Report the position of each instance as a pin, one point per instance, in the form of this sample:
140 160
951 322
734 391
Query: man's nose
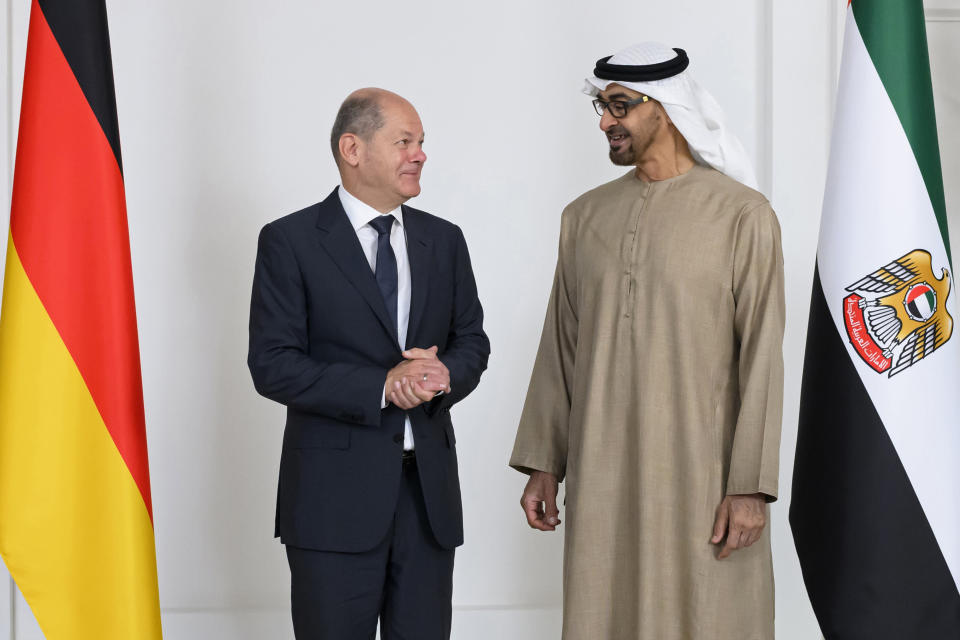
419 156
607 120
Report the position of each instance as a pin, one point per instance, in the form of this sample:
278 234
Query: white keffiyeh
692 109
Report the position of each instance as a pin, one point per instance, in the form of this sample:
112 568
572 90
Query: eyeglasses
617 108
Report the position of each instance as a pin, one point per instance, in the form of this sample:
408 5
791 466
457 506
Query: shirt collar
360 213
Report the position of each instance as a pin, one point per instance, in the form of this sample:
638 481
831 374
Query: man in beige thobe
656 395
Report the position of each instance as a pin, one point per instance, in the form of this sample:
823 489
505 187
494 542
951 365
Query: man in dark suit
365 323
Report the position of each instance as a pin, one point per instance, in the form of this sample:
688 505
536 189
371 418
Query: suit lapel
339 239
419 249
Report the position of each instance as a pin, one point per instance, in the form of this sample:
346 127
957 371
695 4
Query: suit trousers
406 581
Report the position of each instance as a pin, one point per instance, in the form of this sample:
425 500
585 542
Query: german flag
76 523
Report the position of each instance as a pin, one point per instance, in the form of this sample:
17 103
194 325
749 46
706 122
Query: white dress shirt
360 215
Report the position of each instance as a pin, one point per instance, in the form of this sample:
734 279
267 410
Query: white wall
224 113
6 170
943 33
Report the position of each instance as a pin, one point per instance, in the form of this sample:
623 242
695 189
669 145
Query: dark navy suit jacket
321 343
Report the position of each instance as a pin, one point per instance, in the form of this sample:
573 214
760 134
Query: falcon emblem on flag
898 313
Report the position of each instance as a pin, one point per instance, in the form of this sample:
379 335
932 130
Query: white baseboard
6 604
469 623
224 624
482 623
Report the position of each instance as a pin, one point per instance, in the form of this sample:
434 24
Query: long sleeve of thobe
541 443
759 323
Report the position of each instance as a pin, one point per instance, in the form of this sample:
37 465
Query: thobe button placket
631 254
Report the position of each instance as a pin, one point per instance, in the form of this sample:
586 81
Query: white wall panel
21 625
805 40
945 10
224 112
943 37
6 122
6 80
6 603
25 625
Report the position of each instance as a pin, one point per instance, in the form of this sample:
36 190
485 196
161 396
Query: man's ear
350 148
666 116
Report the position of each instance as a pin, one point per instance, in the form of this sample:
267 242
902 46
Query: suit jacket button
398 438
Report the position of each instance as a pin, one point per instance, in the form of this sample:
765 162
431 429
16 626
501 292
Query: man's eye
404 141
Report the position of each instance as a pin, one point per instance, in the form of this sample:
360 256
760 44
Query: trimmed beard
628 157
640 141
624 158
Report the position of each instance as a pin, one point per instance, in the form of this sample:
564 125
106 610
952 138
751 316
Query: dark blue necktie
386 265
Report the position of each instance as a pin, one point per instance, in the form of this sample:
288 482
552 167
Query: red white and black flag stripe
875 509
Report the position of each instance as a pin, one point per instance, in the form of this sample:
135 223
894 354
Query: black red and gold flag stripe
76 528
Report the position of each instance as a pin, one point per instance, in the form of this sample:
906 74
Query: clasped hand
417 379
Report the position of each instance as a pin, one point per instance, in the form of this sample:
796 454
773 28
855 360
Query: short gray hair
359 115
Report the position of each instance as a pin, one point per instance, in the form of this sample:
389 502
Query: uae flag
76 530
875 509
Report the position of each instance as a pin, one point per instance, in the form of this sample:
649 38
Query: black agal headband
642 72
